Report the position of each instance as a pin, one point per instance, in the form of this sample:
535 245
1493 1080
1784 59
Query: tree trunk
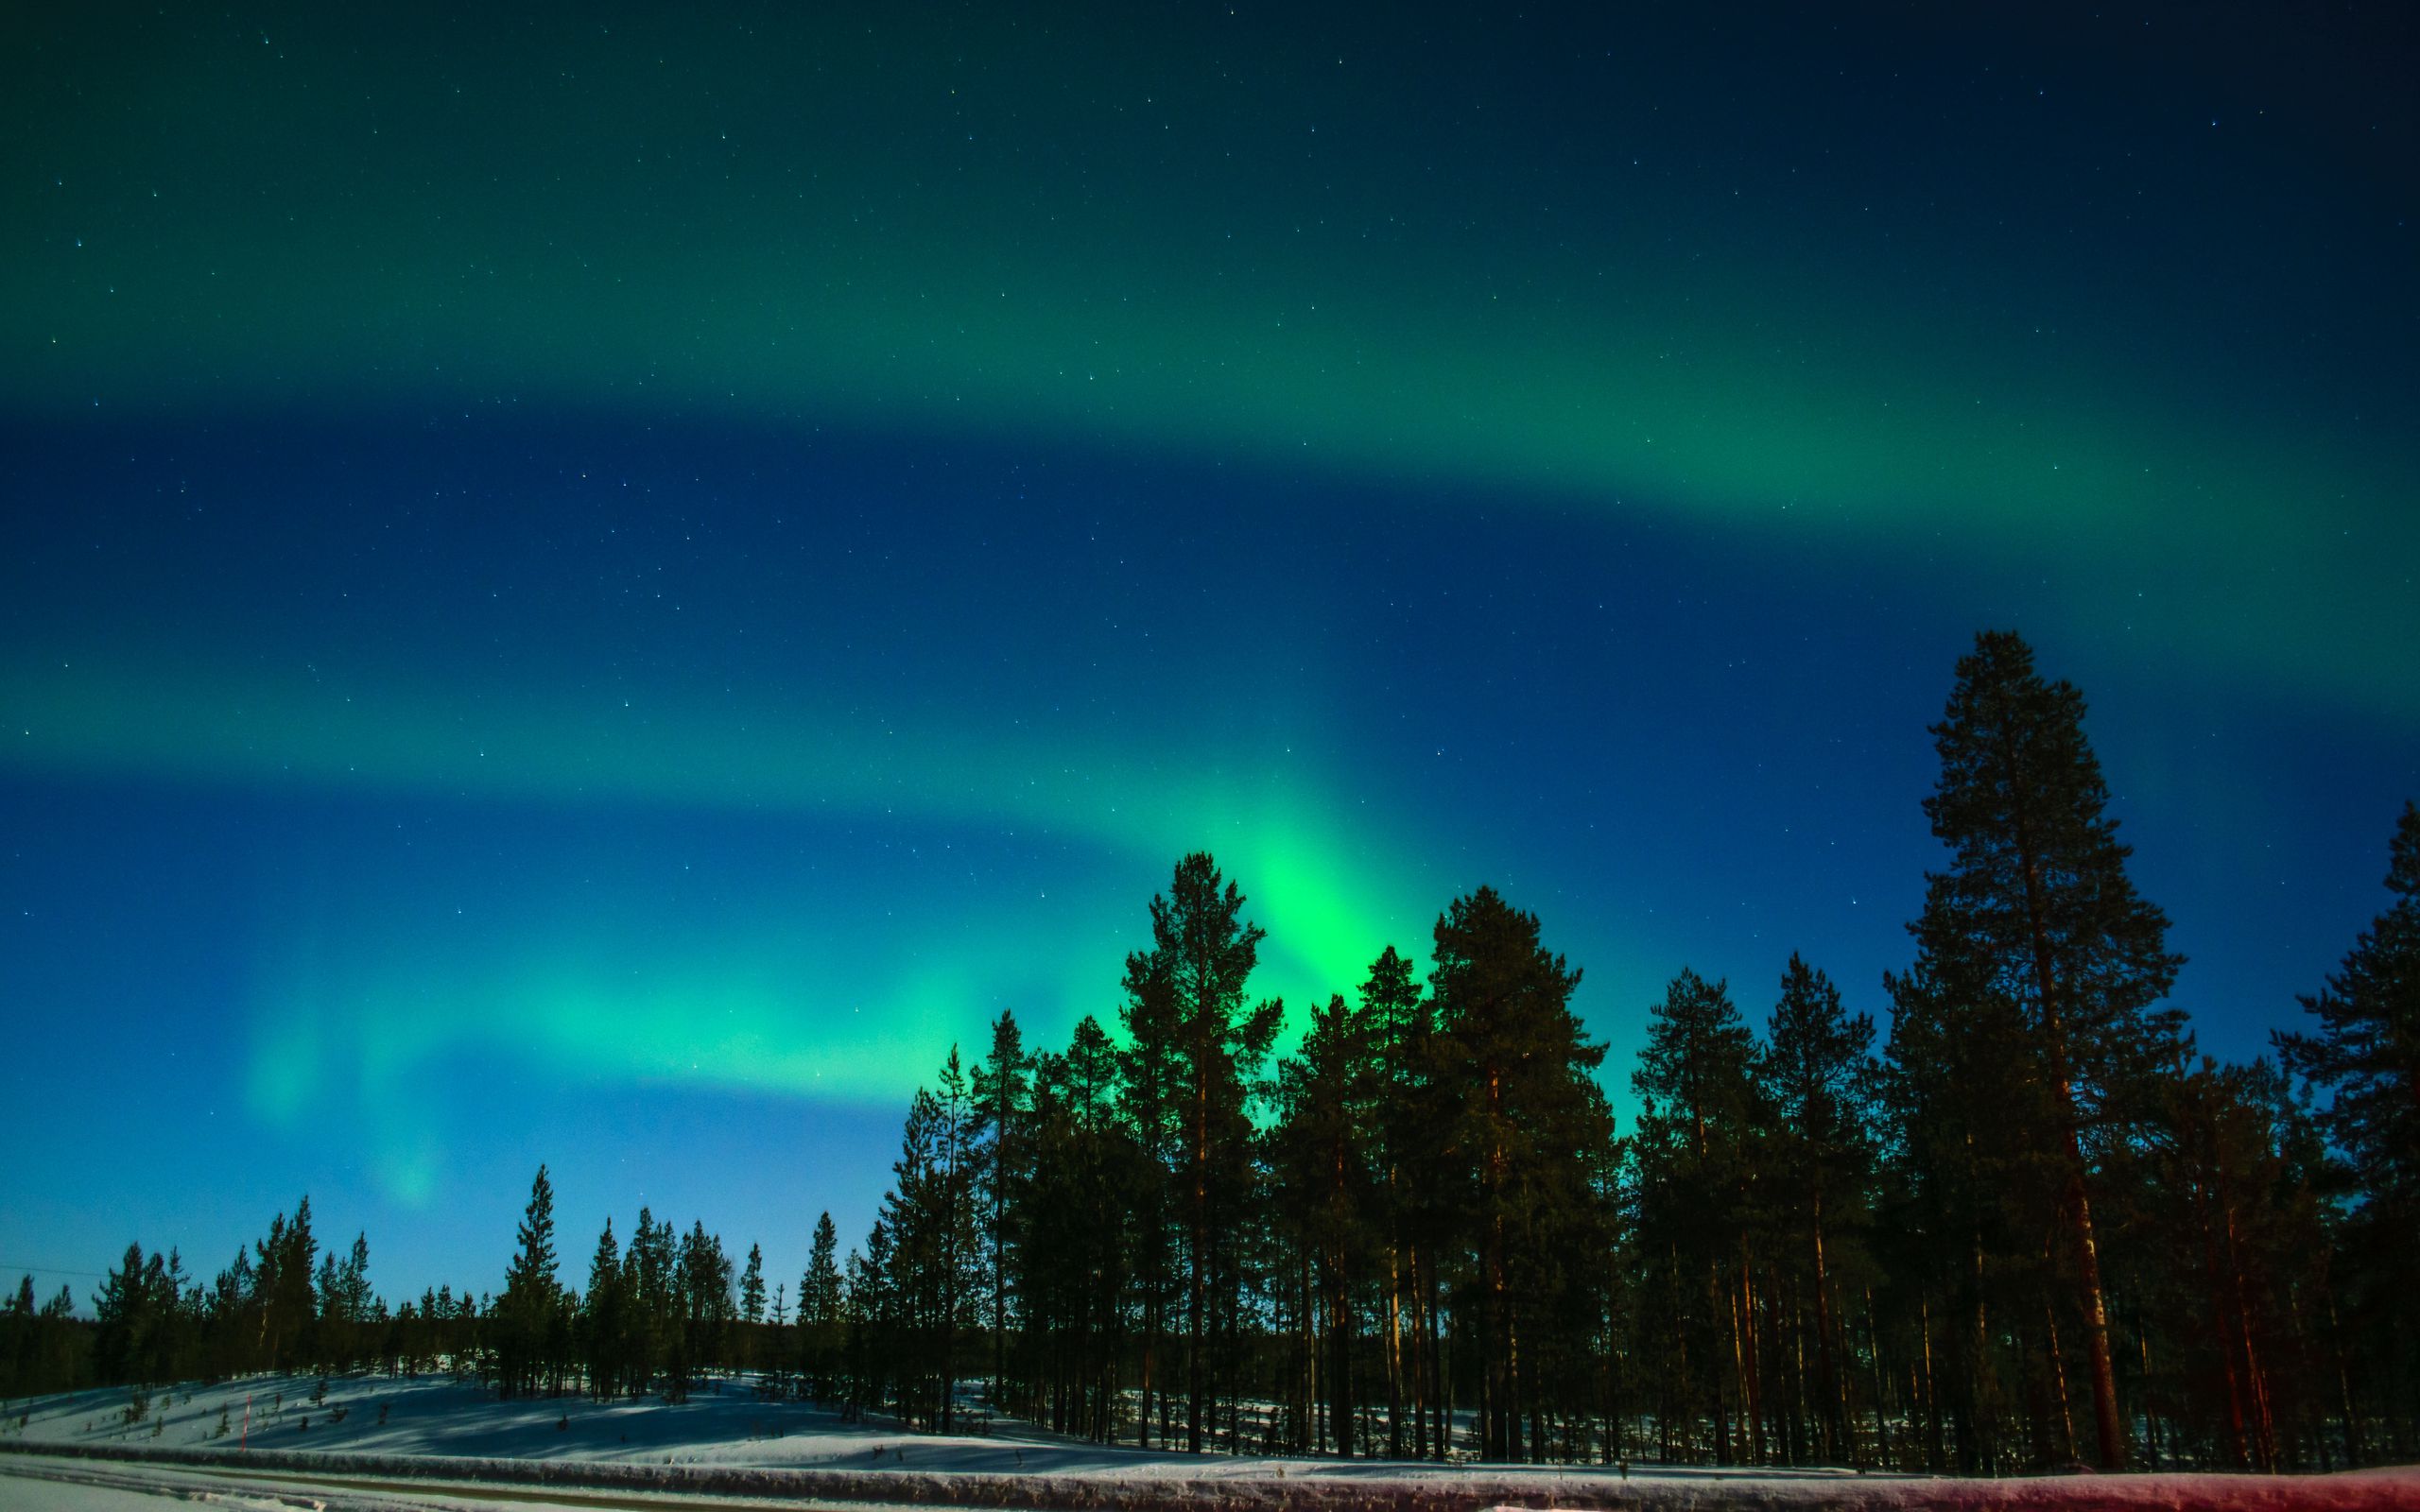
1394 1346
1751 1366
1198 1292
1874 1343
2110 1430
1835 1416
2059 1381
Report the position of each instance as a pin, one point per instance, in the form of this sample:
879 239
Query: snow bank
733 1444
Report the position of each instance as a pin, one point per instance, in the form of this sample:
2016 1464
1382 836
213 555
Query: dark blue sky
593 589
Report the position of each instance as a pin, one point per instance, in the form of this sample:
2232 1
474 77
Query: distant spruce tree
525 1312
704 1300
127 1313
647 1284
752 1287
19 1371
604 1320
354 1297
2036 909
819 1312
42 1348
873 1322
286 1308
344 1303
745 1337
329 1290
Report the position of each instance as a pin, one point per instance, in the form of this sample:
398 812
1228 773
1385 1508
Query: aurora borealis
598 585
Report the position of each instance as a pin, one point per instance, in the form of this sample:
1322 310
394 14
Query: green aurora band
257 221
385 1014
1286 262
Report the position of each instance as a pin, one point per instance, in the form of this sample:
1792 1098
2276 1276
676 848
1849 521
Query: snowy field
408 1439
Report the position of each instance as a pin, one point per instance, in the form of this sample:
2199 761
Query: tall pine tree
2036 908
1002 1084
1187 1013
1524 1111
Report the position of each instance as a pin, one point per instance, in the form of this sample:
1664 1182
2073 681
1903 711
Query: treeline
2033 1226
656 1316
281 1304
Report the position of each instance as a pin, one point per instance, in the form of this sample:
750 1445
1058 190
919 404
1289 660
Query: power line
53 1270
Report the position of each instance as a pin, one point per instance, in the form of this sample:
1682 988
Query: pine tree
2364 1052
702 1305
344 1303
1082 1229
783 1350
284 1307
355 1280
646 1291
1001 1099
1696 1148
818 1310
1187 991
872 1320
1326 1106
1819 1077
934 1225
2238 1235
20 1369
525 1310
1149 1106
2036 909
604 1317
958 1219
330 1306
122 1313
1401 1049
751 1319
1522 1113
752 1287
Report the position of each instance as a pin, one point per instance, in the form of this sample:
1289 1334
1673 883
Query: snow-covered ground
732 1443
436 1414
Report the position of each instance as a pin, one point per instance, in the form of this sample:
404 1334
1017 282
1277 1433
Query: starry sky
600 584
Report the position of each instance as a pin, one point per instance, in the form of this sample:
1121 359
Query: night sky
598 586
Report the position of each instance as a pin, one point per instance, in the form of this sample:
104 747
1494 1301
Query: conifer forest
1994 1213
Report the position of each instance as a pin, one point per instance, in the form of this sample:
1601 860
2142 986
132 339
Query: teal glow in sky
599 586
